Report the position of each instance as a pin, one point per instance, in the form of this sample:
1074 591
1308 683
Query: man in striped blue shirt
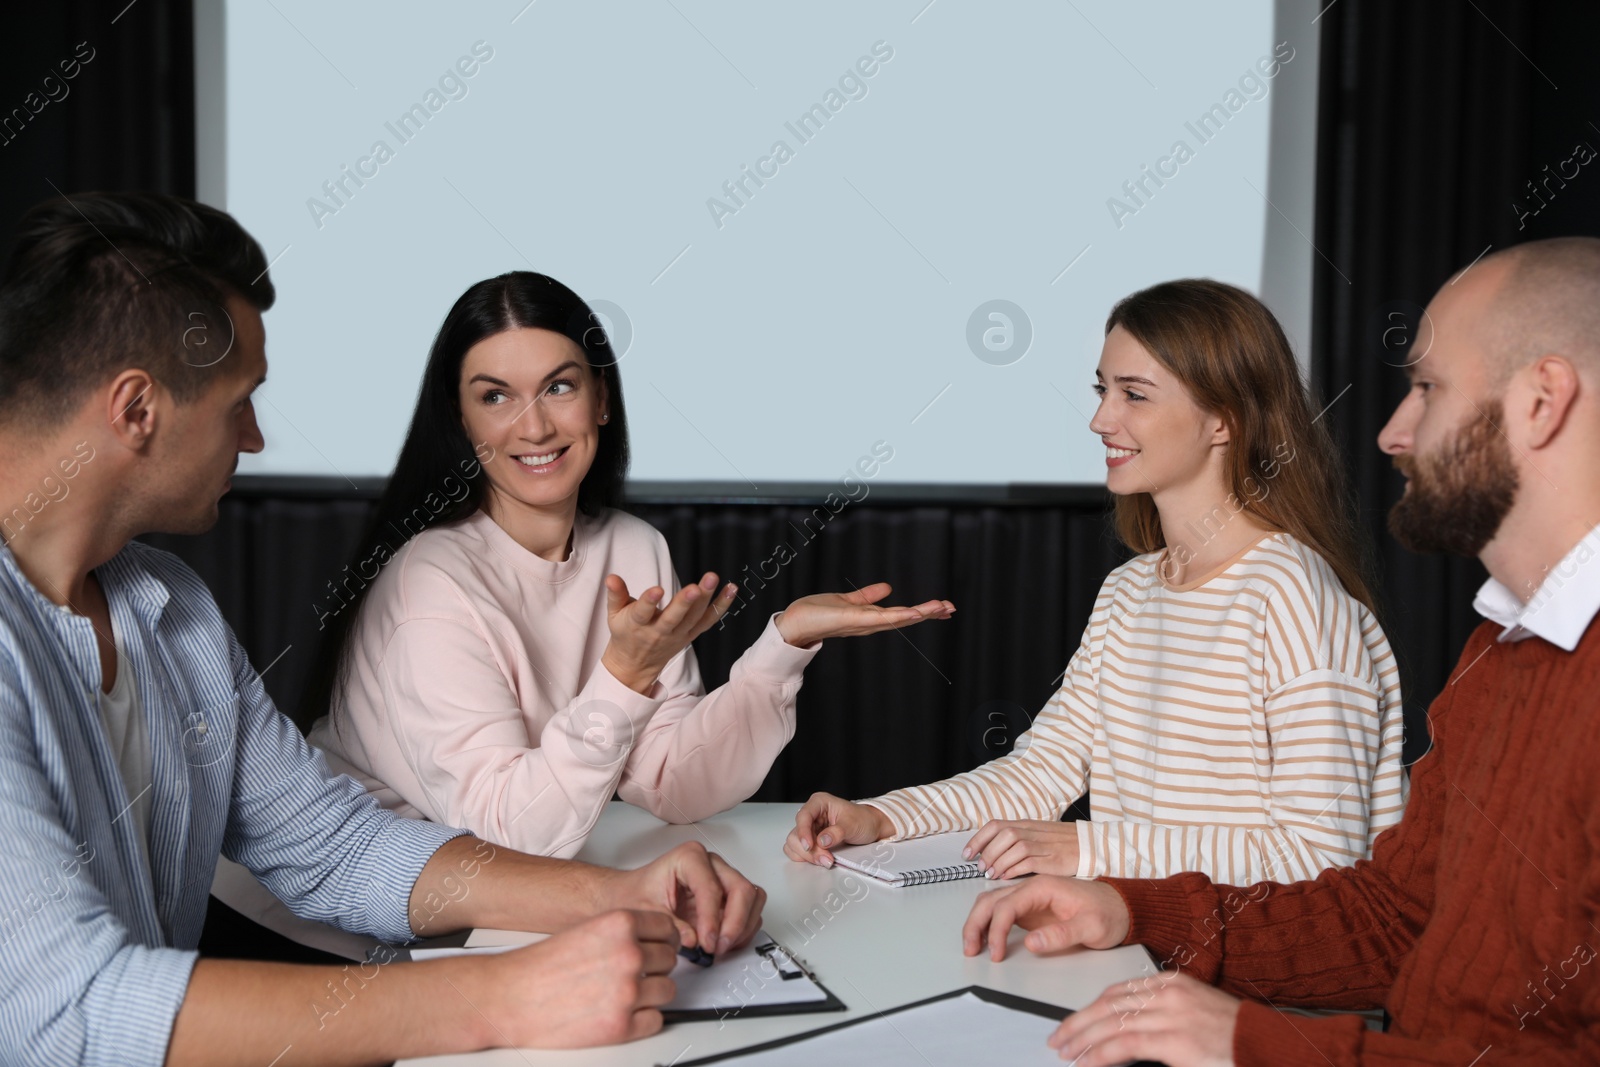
137 743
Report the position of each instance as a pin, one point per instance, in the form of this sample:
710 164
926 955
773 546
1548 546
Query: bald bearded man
1474 923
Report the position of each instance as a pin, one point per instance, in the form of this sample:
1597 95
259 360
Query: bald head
1543 299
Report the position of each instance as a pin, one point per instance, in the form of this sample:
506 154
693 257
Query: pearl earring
604 418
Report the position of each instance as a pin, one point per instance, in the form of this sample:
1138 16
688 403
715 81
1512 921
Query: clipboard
773 967
752 982
1053 1012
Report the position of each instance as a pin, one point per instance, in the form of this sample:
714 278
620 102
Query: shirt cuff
132 1005
402 850
1085 848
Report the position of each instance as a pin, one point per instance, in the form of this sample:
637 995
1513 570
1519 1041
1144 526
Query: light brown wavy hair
1281 466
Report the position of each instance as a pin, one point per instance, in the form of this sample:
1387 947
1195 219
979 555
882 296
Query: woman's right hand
645 636
827 821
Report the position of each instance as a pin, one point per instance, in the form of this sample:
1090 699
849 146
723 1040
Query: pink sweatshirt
476 696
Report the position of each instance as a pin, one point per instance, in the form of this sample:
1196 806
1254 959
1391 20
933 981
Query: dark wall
1434 116
125 120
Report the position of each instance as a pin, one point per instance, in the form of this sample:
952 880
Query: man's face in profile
195 461
1461 477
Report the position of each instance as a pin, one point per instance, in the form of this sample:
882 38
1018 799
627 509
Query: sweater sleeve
1335 942
1044 773
702 753
1264 1037
461 731
1326 764
1333 930
1338 942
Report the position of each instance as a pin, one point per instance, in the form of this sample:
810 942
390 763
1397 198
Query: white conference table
876 949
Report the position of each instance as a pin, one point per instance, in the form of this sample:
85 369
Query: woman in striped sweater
1234 707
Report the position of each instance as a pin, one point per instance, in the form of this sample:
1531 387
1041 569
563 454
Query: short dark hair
99 282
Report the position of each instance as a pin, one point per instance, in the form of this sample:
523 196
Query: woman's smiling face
531 396
1157 438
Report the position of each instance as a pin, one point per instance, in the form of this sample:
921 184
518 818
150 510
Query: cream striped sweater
1247 726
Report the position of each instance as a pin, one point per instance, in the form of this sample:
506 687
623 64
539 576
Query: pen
697 956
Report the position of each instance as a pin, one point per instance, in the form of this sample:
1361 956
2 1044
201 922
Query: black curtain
874 713
125 120
1433 117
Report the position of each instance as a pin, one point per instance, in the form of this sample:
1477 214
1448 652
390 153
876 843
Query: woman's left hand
813 618
1011 848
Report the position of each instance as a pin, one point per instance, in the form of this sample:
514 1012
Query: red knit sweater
1474 922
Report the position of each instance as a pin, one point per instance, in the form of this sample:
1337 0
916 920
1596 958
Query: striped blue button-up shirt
96 943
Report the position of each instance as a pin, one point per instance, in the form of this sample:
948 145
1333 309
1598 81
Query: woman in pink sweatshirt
514 651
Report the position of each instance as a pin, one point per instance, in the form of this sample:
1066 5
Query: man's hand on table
1169 1017
598 983
604 979
1058 913
714 906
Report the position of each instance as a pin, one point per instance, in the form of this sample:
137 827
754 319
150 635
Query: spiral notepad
935 858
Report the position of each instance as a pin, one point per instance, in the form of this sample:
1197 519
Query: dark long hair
1230 353
438 477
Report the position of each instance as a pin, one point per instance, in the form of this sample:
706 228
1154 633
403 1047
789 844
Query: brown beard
1459 496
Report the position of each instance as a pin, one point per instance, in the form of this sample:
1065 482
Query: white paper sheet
948 1033
743 978
748 976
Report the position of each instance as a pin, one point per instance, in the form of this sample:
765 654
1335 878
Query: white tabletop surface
875 947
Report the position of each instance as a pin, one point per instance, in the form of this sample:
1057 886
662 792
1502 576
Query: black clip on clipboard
774 953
